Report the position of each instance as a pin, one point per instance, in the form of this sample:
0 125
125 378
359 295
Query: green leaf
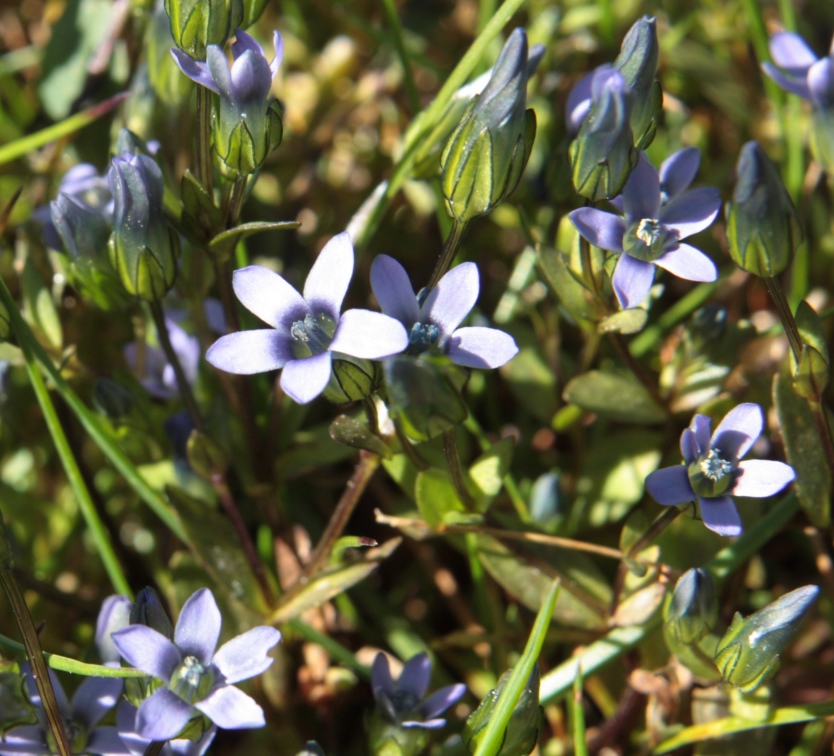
216 548
811 329
436 496
625 321
639 608
224 242
488 471
38 305
351 432
200 215
804 451
615 396
333 582
574 296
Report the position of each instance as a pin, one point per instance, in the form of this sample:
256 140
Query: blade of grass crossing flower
729 725
32 644
559 681
367 219
580 746
25 145
90 422
490 743
101 538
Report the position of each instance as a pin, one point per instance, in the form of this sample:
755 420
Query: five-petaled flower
712 472
799 71
403 703
658 215
433 317
93 699
306 330
194 675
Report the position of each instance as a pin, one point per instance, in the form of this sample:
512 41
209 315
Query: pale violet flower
305 330
580 96
799 70
92 700
195 677
657 215
126 723
432 319
404 703
712 472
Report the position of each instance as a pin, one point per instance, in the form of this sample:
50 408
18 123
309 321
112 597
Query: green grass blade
490 743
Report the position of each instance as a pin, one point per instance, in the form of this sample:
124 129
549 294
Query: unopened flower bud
603 155
351 380
114 615
692 611
485 157
637 62
748 654
143 247
195 24
147 610
763 229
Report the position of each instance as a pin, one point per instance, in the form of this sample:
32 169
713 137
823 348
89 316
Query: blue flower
658 213
194 675
306 330
712 472
126 723
92 700
432 319
404 703
798 69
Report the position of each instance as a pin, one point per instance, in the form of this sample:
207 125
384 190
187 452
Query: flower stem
450 450
409 449
636 368
448 253
354 488
174 360
669 515
204 138
774 288
236 201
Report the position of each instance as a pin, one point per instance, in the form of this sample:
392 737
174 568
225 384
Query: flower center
192 680
645 239
422 337
404 701
711 474
76 735
312 335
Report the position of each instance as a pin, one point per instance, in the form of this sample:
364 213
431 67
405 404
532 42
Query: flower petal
195 70
695 439
244 42
29 739
478 347
162 716
278 45
126 724
381 676
632 280
451 300
114 615
692 211
798 85
248 352
245 656
441 700
268 295
251 80
641 193
231 709
821 83
218 66
106 741
369 335
720 515
603 230
198 626
678 171
303 380
579 102
94 698
739 430
328 280
392 289
762 477
146 649
416 676
431 724
688 263
789 51
670 486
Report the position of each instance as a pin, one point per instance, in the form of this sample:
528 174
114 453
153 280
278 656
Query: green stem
335 649
32 645
408 448
236 201
405 61
203 167
774 288
448 253
88 420
354 489
99 533
668 516
174 361
636 368
450 451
